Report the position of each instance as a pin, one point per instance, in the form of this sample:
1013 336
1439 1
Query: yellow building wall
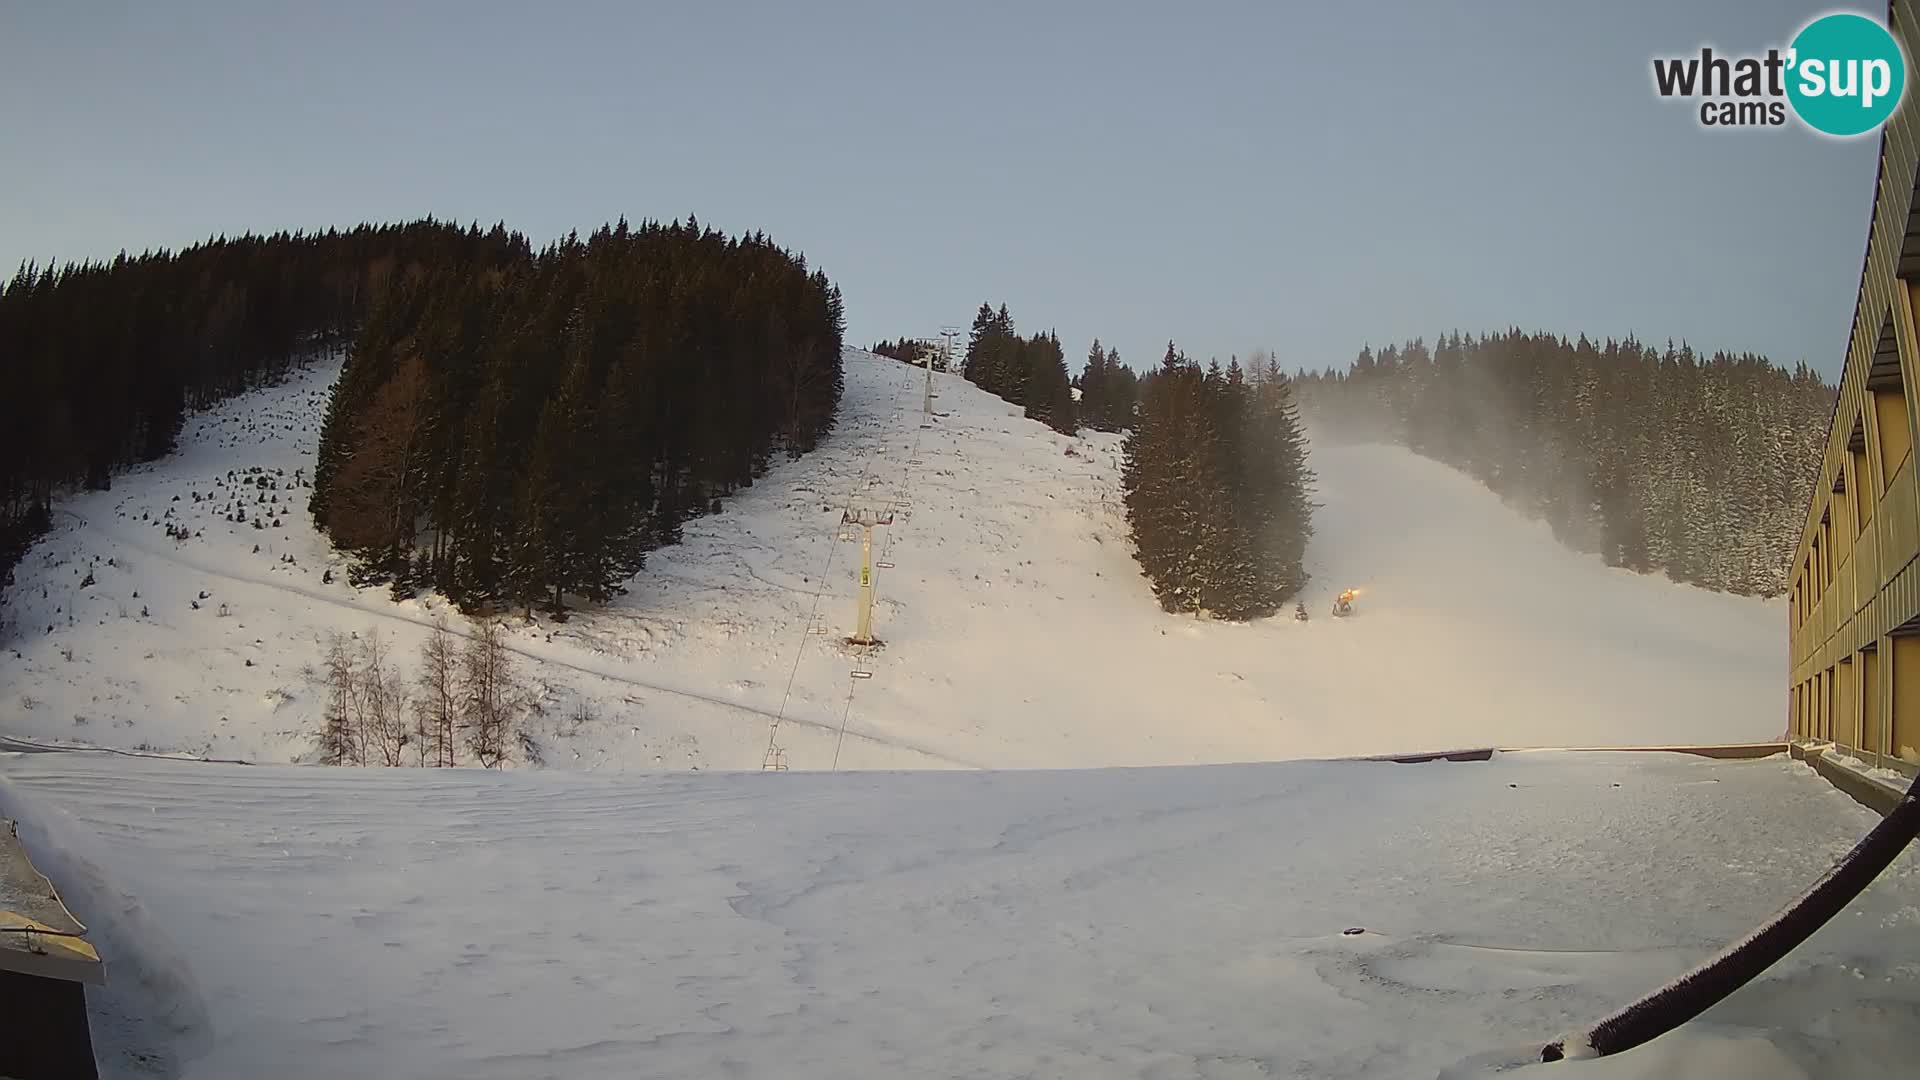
1854 599
1872 714
1904 738
1896 443
1846 712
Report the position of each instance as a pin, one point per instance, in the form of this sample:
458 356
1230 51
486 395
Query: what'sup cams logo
1843 75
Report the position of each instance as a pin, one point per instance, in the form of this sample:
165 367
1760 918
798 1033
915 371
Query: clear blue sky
1231 175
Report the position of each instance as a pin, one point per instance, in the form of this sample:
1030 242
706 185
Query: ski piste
1706 985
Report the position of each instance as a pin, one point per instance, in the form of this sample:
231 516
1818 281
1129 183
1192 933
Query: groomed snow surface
1018 631
1166 923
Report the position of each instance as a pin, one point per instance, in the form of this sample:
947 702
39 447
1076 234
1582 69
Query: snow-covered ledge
1877 782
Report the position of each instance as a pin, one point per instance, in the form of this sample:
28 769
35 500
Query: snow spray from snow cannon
1733 967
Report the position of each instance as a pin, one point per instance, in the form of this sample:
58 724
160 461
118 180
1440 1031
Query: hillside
1017 630
1167 923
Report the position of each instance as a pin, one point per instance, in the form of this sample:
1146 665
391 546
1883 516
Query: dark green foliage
991 347
909 351
101 361
534 427
1049 390
1108 390
1217 488
1031 372
1655 459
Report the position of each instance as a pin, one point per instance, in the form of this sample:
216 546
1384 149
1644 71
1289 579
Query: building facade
1854 603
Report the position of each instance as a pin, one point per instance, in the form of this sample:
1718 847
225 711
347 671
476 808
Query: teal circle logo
1846 74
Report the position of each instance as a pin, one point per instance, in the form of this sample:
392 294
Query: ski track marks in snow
1018 632
1162 923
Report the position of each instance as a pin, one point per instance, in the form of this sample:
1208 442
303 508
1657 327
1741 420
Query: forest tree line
103 360
1109 390
1023 372
1026 371
520 432
1657 459
1218 489
910 351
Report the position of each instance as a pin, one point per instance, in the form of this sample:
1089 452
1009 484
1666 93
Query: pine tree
1123 393
979 343
1215 486
1096 391
1049 392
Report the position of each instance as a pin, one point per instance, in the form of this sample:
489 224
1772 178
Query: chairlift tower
947 335
868 521
926 407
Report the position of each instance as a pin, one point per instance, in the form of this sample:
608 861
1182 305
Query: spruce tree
1095 389
1049 392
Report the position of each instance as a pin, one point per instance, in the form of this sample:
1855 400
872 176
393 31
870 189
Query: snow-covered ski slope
1174 924
1018 631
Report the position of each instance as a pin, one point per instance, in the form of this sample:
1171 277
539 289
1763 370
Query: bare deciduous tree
340 675
438 705
383 704
492 701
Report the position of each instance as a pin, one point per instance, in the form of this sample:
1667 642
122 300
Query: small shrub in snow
529 749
